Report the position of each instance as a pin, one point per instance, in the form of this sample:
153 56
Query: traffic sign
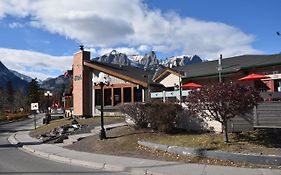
34 106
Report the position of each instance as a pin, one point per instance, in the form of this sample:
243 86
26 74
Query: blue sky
38 38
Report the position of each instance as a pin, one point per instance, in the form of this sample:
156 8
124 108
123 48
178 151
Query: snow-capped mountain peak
181 60
147 61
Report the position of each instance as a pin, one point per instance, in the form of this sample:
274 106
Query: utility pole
220 68
180 86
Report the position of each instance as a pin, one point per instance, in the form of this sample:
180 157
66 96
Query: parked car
57 113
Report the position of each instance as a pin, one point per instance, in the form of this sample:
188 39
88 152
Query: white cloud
14 25
130 23
144 48
91 49
34 63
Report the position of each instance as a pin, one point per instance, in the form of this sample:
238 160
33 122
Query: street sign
34 106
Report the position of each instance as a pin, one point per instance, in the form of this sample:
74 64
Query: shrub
161 117
13 116
137 112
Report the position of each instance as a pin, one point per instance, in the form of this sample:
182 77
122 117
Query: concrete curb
89 164
12 139
57 158
125 164
250 158
78 162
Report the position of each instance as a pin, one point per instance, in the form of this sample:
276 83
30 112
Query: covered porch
119 94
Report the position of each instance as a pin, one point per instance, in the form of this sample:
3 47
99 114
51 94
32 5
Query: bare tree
222 102
20 100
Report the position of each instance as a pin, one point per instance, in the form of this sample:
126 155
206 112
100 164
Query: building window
127 95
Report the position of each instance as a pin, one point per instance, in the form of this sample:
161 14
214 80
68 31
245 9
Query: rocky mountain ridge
21 76
147 61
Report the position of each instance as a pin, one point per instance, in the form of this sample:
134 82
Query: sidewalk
126 164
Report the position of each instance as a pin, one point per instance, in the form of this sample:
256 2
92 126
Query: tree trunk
225 134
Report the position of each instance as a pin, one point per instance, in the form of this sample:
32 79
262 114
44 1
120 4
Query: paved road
15 161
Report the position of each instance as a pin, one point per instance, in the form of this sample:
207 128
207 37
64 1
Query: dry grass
57 123
122 141
214 141
13 116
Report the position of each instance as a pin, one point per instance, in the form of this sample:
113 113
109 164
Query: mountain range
147 61
21 76
7 75
57 84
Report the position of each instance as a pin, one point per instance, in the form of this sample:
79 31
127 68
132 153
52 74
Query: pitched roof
128 73
230 65
164 72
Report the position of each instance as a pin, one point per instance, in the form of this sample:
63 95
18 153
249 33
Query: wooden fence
267 115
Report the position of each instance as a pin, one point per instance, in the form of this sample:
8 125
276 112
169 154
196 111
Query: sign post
34 108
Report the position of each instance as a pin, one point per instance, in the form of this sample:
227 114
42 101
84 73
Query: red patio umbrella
253 77
53 104
191 85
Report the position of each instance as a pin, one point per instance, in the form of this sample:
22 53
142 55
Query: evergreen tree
2 100
33 91
10 95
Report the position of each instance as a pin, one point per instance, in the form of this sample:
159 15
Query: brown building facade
127 84
130 84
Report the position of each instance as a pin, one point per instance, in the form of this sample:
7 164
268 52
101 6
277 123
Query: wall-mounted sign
77 77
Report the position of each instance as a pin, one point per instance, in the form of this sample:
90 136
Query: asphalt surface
15 161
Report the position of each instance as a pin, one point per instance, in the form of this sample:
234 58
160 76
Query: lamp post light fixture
48 94
102 80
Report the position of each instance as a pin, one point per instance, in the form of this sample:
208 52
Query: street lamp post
102 81
48 94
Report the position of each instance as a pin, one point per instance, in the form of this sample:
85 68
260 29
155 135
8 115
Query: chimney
82 84
82 47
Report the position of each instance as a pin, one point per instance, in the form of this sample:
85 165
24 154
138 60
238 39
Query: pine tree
10 95
2 100
33 91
